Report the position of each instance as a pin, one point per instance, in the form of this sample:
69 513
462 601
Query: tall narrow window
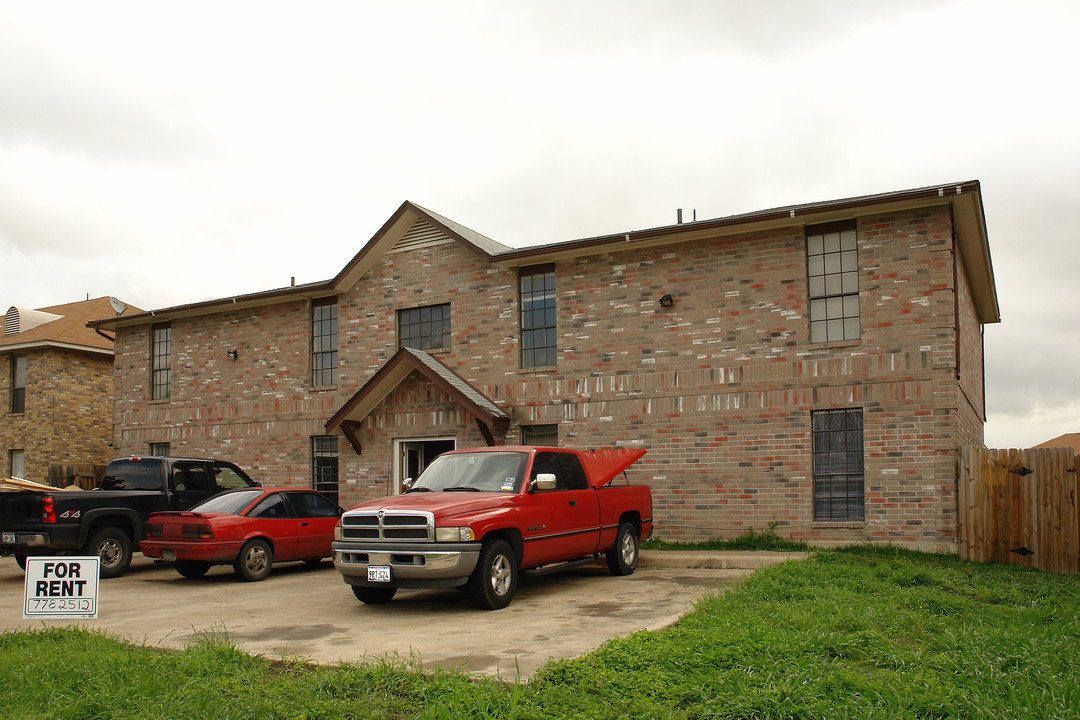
160 352
17 464
324 465
838 464
538 317
425 328
18 384
832 268
324 327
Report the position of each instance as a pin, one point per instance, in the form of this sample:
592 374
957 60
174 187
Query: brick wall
68 411
718 388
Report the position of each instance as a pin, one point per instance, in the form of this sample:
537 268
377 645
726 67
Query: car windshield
481 471
227 502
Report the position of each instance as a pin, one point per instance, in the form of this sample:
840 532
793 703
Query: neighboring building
1068 440
56 381
815 366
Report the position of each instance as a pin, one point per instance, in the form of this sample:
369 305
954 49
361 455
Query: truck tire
191 568
254 561
622 558
21 560
493 582
113 546
373 595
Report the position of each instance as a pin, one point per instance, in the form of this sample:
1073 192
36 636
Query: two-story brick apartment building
814 366
56 379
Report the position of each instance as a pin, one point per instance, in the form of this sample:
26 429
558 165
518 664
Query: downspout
98 331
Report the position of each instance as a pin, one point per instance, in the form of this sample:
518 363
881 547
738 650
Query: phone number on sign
80 604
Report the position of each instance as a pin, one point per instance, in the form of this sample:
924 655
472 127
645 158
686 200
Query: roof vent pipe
678 214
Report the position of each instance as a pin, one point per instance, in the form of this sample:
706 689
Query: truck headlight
337 533
454 534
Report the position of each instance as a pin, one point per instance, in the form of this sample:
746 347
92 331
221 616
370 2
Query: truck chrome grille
387 526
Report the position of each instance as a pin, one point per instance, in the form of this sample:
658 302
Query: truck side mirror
543 481
407 483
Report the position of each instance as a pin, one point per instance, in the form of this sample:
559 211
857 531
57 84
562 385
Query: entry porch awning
490 418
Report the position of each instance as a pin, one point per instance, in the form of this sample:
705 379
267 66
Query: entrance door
415 455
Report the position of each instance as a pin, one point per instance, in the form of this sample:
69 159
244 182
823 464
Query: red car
249 528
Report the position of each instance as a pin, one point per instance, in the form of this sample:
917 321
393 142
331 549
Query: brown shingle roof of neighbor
1068 440
68 330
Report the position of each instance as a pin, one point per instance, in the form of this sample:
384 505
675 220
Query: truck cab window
575 474
548 462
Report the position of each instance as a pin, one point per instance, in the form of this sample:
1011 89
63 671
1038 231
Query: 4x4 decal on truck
71 514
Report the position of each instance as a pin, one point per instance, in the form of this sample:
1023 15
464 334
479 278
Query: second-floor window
18 384
324 345
425 328
832 269
160 352
538 317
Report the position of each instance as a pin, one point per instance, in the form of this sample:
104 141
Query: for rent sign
61 587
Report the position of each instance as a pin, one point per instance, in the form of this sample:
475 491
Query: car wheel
254 561
192 568
493 582
623 556
113 546
21 560
373 595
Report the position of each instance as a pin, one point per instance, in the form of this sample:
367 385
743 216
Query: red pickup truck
477 517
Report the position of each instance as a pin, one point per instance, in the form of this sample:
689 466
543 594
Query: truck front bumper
412 565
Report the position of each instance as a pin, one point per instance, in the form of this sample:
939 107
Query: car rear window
227 502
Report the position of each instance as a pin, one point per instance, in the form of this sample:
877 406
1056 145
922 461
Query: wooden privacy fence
1019 507
84 475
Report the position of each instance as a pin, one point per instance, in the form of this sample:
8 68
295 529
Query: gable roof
1068 440
964 200
489 416
65 326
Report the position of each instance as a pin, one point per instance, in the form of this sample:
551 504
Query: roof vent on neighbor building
20 320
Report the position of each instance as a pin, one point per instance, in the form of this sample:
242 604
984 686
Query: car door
316 517
564 522
273 518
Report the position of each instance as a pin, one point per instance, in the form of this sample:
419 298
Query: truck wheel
373 595
192 568
21 559
113 546
494 580
623 556
254 561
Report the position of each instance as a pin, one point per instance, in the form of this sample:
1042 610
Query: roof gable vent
18 320
421 235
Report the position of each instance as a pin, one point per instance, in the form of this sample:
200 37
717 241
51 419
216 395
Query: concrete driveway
308 613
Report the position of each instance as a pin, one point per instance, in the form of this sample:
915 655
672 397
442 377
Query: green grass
854 633
750 540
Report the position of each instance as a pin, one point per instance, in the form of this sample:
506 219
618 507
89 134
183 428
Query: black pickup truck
110 520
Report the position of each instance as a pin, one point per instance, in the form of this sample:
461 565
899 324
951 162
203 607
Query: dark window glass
192 477
548 462
540 435
324 342
132 475
838 464
271 506
832 269
309 504
574 473
160 449
18 384
324 465
160 363
228 477
426 328
538 342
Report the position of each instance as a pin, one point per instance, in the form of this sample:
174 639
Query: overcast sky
172 153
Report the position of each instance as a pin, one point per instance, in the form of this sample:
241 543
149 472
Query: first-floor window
324 465
838 464
17 464
160 449
540 435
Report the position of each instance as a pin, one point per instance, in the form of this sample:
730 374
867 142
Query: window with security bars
832 268
18 384
324 342
838 464
425 328
540 435
160 362
324 465
538 317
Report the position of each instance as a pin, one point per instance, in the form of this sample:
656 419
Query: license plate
168 555
378 573
8 538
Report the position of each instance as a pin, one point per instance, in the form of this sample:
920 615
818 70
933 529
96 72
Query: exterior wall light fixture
232 354
666 301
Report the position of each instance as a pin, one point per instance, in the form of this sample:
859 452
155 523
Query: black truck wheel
254 561
493 582
113 546
373 595
623 556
